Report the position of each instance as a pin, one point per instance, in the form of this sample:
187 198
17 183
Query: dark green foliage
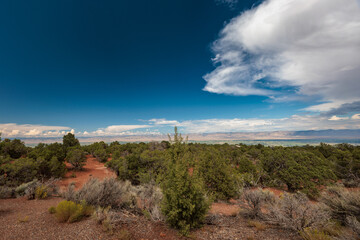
57 168
69 141
13 148
137 163
20 171
76 158
220 177
48 151
297 169
101 155
184 202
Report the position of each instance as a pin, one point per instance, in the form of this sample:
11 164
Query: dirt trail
93 168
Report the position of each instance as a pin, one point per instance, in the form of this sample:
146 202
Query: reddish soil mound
93 168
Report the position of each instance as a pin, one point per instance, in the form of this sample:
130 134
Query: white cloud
122 128
335 118
162 121
356 116
29 130
293 123
34 131
311 47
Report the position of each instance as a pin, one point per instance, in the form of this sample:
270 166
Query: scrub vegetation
176 182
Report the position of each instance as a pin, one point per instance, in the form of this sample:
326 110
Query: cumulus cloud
29 130
289 49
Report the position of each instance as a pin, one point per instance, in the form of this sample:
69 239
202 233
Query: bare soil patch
29 219
92 168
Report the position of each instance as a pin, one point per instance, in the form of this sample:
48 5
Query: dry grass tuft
256 224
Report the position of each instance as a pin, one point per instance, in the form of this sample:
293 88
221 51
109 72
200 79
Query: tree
14 148
184 203
57 168
219 176
69 141
77 158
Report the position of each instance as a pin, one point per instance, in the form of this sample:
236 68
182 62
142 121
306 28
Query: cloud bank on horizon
156 127
291 50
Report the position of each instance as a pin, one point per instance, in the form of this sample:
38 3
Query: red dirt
92 168
225 209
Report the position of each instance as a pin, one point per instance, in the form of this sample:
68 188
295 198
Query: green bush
219 176
184 202
41 192
52 210
57 168
101 155
76 158
68 211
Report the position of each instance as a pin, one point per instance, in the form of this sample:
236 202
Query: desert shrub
124 234
6 192
68 211
20 190
76 158
342 203
256 224
314 234
109 192
255 200
52 210
344 206
106 218
36 189
151 196
354 224
41 192
295 212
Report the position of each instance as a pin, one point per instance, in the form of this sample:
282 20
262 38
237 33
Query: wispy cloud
288 49
230 3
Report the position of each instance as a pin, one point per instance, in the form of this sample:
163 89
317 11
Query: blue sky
118 67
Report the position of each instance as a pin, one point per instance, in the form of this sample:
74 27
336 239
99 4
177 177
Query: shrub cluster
344 206
293 211
68 211
109 192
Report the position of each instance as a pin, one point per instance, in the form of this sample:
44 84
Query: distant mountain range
276 135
